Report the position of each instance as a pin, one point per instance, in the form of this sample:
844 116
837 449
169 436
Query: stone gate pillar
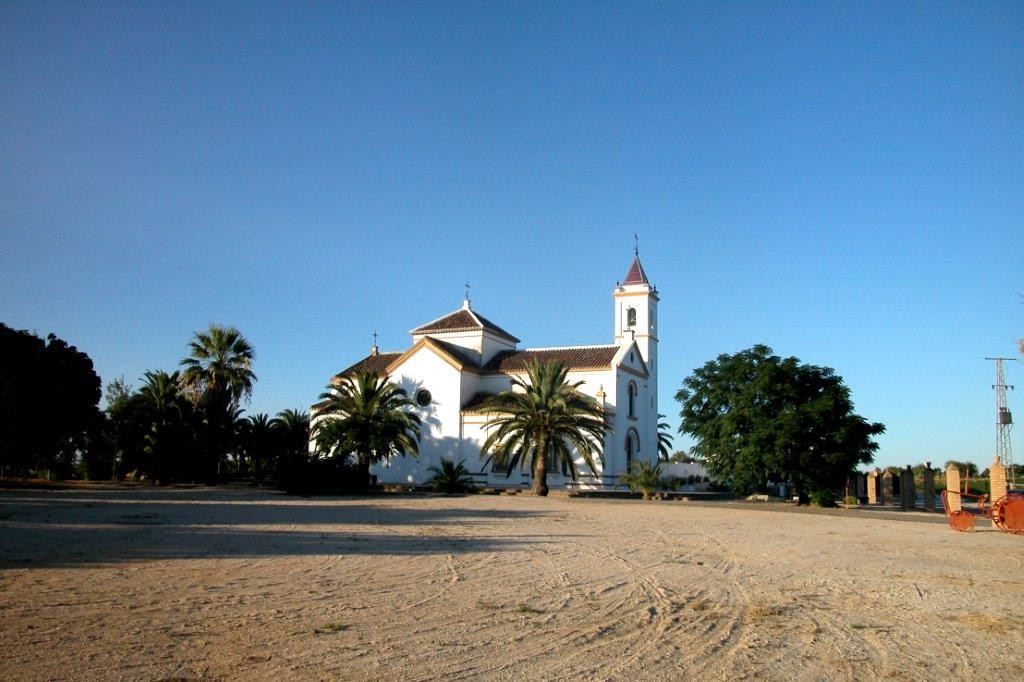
997 481
886 496
862 487
952 488
908 491
873 486
929 487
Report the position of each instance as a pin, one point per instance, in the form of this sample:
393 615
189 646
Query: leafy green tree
643 477
547 420
49 403
367 416
127 426
153 431
218 374
966 468
757 416
98 458
664 438
451 477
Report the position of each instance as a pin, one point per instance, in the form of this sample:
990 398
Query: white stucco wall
440 435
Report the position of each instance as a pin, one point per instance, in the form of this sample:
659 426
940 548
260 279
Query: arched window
631 391
631 317
632 447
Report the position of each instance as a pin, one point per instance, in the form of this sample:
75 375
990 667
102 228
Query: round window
423 397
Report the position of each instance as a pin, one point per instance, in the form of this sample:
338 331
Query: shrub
979 487
644 478
451 477
822 498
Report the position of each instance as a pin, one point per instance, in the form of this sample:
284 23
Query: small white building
458 359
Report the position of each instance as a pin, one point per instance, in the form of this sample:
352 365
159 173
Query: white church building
458 359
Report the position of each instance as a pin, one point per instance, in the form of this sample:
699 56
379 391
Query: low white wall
681 470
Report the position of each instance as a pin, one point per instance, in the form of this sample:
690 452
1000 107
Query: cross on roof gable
376 364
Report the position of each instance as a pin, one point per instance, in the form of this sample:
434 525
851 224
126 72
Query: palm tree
293 425
258 440
545 420
451 477
292 441
643 477
664 439
218 374
161 400
218 367
368 416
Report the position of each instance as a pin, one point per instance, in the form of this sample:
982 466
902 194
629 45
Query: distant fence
899 487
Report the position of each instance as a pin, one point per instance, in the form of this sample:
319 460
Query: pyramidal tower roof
463 320
636 274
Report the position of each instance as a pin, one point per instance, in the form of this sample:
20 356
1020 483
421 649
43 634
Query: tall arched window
632 392
631 317
632 447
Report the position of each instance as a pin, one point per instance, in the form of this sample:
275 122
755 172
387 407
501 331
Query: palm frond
544 419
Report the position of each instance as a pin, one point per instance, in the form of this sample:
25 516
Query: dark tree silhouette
217 375
49 398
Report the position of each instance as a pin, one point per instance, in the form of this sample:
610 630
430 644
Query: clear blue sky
843 182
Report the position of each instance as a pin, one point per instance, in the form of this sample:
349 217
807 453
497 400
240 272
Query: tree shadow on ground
82 528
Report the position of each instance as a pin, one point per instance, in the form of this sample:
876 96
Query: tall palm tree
547 419
368 416
218 367
218 374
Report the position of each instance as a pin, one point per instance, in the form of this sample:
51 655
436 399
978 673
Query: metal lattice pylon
1004 422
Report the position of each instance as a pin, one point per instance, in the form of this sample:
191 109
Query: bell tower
636 313
636 319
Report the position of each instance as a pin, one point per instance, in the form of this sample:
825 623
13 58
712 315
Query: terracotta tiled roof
372 363
463 355
462 320
636 274
574 357
473 404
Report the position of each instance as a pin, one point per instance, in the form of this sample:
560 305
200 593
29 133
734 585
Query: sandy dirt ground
114 583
